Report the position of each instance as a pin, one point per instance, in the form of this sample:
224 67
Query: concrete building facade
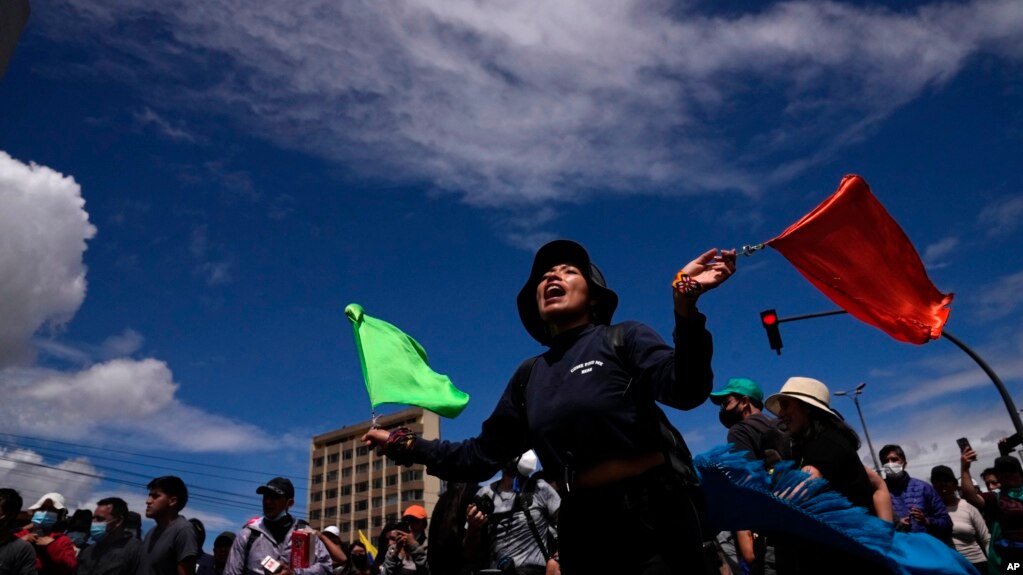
353 488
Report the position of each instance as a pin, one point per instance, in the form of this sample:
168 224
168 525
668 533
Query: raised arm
970 493
504 436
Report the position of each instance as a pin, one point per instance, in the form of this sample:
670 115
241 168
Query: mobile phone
964 444
270 564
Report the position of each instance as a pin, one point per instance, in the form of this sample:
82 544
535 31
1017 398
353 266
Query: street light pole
855 394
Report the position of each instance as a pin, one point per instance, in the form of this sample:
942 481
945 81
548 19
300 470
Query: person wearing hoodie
588 407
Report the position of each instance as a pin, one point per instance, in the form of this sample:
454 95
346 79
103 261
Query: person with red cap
587 407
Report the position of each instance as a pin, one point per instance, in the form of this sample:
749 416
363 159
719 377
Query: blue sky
247 171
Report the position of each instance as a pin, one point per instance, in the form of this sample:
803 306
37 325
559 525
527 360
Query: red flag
854 252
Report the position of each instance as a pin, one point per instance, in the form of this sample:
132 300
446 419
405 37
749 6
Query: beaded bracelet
399 444
686 285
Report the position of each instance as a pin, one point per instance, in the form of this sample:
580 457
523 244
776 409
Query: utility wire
58 452
261 473
211 500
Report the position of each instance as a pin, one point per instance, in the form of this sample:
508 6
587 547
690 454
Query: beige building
353 488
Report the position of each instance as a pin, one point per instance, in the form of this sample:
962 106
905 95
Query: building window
347 454
333 457
411 494
392 480
361 505
317 496
317 479
331 512
346 508
378 522
346 472
362 468
332 493
362 451
346 528
391 499
391 517
362 487
314 514
378 465
362 524
377 502
318 462
411 475
346 490
332 475
377 483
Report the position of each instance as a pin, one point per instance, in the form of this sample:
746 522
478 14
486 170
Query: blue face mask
44 519
98 531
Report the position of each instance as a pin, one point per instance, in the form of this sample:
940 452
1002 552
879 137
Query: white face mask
527 463
893 469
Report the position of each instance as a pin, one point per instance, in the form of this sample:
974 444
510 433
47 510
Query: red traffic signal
769 319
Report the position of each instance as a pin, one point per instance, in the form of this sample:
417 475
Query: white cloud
83 354
26 471
43 229
122 345
82 486
512 104
147 117
1002 298
929 436
1002 217
134 400
936 252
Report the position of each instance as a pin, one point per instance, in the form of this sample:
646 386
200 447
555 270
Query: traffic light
769 319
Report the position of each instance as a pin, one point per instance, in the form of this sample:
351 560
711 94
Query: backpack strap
676 452
253 535
520 502
521 379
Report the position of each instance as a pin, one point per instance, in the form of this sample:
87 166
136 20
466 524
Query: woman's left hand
712 268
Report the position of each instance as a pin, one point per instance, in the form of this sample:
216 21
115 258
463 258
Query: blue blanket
742 495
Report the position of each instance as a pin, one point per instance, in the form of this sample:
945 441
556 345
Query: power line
208 499
67 452
262 473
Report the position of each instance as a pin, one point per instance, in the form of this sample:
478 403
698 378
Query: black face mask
729 417
360 561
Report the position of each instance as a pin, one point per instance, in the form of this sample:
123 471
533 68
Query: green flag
396 370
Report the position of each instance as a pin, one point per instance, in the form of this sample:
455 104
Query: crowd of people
618 492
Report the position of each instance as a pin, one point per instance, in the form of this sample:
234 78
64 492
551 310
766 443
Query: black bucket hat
548 256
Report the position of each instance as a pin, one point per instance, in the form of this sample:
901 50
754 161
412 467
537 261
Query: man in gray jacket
271 536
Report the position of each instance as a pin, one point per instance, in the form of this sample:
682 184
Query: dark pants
647 525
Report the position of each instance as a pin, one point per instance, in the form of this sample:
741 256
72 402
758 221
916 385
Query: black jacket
581 405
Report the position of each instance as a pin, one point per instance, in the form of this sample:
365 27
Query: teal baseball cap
739 386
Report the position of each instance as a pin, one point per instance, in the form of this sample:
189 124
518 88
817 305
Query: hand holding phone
963 443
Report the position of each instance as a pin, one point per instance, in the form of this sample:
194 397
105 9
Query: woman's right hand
376 439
